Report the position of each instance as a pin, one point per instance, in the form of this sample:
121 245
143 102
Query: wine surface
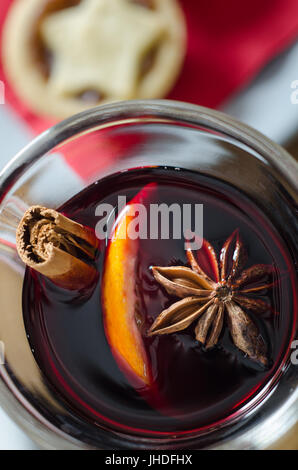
193 388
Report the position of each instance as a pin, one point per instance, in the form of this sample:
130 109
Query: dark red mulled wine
191 387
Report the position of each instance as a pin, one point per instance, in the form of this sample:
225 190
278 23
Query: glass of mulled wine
179 340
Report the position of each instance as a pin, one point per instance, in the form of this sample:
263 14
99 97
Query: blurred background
240 57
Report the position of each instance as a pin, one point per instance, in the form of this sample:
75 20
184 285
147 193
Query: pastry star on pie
64 56
111 38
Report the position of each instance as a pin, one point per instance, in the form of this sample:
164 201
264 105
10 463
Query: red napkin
228 43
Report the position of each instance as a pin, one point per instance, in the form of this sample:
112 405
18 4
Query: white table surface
11 436
265 105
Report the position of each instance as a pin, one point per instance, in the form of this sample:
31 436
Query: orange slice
119 298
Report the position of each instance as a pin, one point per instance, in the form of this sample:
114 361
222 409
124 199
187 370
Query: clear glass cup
79 151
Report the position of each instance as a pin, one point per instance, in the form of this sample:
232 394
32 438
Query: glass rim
186 113
158 110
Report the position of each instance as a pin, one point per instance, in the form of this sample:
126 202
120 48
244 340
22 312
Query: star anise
211 291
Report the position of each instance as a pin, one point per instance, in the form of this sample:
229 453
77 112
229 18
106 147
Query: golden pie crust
65 56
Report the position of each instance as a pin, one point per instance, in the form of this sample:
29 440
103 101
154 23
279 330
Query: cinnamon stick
57 247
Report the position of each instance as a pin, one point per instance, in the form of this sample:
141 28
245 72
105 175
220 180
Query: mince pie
64 56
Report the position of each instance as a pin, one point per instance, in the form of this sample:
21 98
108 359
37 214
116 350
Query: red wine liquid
196 388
